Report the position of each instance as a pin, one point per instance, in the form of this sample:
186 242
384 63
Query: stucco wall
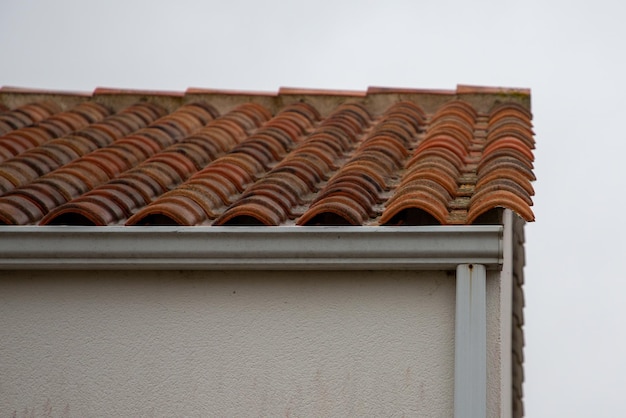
233 344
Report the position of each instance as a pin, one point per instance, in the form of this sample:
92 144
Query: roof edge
136 92
471 89
36 91
243 248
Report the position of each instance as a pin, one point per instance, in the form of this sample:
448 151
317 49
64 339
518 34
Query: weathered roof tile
304 157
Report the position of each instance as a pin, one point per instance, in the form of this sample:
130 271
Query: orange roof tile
385 156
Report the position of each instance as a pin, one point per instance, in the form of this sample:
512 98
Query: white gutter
269 248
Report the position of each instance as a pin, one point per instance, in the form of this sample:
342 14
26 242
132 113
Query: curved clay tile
513 120
500 198
432 175
124 194
414 110
138 183
201 150
511 130
14 176
505 170
164 210
288 184
30 136
368 168
312 168
304 109
210 196
26 115
352 117
92 211
508 143
274 137
504 156
399 131
388 147
78 145
464 135
345 211
227 127
417 198
79 116
267 151
68 121
301 168
43 196
89 175
60 124
161 174
353 191
502 184
18 211
222 180
271 200
506 109
334 137
290 126
66 183
320 150
261 208
254 114
91 111
83 174
508 172
7 183
203 111
457 109
15 120
170 167
507 162
96 208
15 145
34 135
435 160
273 192
176 162
57 152
378 157
96 134
174 210
444 144
412 201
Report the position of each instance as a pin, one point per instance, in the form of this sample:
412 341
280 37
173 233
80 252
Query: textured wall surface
233 344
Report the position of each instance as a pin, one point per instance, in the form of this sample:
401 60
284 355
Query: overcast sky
570 53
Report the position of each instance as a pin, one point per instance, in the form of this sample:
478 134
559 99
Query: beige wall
233 344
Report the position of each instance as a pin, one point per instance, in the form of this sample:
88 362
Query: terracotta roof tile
387 156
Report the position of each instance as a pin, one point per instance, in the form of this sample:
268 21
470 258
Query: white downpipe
470 356
506 310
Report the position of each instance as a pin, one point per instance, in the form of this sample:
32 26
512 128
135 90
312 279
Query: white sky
570 53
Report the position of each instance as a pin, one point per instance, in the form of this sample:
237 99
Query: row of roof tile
293 164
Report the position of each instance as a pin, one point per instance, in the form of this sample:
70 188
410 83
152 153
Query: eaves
243 248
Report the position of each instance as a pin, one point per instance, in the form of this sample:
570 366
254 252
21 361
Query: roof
296 157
